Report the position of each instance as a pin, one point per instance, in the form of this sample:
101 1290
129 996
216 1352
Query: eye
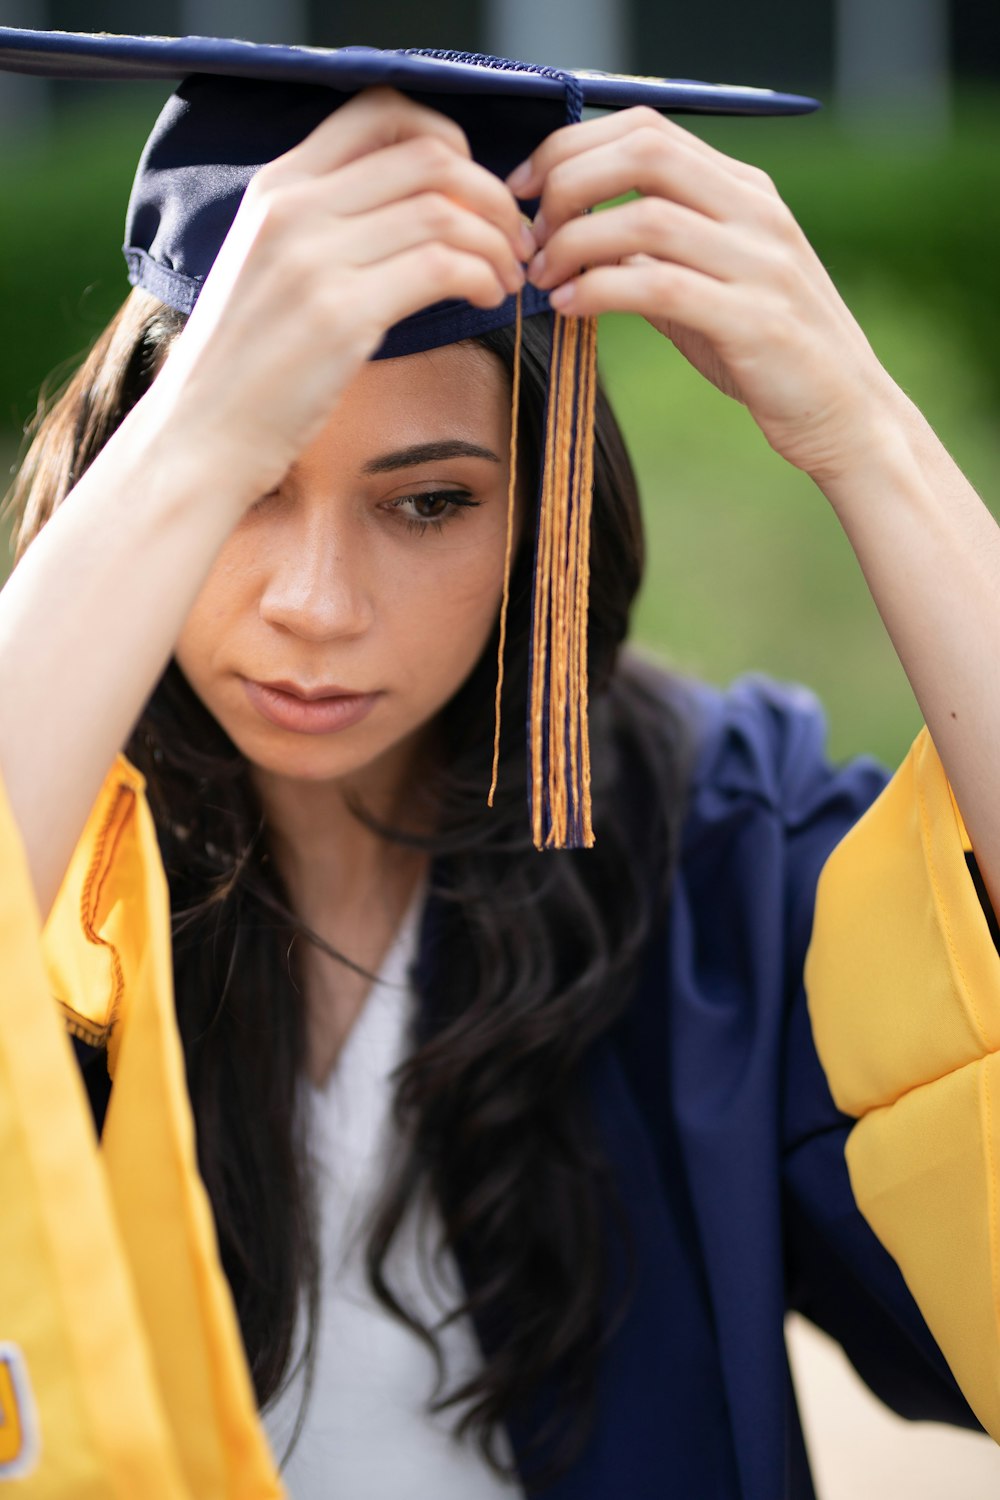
432 509
429 507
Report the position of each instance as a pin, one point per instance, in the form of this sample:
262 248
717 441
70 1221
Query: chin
314 758
302 757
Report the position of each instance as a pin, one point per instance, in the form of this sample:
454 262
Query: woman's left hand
712 258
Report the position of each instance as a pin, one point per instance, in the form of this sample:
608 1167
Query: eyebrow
427 453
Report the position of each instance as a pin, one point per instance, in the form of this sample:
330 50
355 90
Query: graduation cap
241 104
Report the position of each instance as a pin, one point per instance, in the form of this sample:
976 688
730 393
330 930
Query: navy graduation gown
727 1149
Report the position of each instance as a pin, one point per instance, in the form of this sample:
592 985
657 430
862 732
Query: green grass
748 568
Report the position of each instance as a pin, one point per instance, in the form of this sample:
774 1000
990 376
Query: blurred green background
748 568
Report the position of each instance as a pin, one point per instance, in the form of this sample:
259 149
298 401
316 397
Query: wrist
182 461
876 443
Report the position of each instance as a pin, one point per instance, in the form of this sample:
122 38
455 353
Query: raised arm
376 214
712 258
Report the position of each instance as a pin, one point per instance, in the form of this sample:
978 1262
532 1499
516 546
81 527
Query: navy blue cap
99 55
215 131
241 104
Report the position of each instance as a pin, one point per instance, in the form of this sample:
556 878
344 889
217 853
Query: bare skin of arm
379 212
87 624
711 257
930 551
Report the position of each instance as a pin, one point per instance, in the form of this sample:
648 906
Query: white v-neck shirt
367 1434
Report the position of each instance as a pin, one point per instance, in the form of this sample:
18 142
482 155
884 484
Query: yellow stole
904 994
122 1371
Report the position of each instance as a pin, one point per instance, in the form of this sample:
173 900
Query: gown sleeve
903 978
769 816
121 1368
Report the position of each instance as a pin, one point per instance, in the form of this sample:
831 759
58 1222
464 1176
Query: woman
632 1187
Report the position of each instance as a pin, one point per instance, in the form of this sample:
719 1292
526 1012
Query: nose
317 584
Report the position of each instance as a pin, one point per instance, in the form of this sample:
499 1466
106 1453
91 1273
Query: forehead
460 391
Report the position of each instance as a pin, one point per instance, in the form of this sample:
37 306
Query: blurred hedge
926 217
61 270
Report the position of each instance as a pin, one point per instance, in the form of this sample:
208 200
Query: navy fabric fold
727 1149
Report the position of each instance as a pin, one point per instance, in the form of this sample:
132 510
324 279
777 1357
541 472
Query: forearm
88 621
930 551
713 258
313 271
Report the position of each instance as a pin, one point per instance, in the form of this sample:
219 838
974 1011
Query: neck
350 886
333 864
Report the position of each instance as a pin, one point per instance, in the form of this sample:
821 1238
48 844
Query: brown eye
430 507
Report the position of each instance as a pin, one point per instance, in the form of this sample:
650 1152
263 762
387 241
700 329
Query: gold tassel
559 741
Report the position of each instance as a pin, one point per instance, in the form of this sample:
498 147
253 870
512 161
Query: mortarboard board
241 104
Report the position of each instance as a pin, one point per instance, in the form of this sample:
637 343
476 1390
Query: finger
644 161
404 170
423 165
374 118
406 283
651 226
656 289
366 239
526 180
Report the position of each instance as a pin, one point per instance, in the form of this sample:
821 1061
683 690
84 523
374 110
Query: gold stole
122 1371
904 993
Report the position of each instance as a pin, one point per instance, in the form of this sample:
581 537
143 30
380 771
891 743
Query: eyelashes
420 513
443 506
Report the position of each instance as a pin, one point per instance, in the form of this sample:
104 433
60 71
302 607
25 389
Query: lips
324 709
310 695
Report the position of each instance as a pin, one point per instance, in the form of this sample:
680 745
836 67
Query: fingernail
520 177
517 279
540 229
563 295
526 241
537 268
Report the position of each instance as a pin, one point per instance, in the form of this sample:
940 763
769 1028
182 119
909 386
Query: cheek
222 601
439 645
444 610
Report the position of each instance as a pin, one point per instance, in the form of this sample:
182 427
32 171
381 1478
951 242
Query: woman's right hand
378 213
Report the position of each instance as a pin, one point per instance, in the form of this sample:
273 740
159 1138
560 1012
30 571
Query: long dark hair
533 958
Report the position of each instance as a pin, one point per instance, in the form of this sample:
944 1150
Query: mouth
314 710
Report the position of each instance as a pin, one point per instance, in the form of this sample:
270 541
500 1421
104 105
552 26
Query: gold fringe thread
559 743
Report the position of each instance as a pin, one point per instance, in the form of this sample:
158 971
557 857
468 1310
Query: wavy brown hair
527 960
